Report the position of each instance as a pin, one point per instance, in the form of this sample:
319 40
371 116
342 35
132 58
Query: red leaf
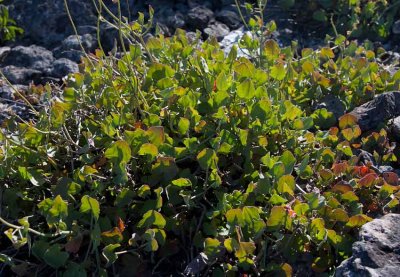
368 180
74 244
391 178
339 168
121 225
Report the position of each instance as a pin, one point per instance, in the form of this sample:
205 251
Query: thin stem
63 233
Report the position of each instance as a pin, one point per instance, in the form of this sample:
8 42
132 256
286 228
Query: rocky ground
49 50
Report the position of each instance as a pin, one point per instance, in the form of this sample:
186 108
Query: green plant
356 18
174 152
8 28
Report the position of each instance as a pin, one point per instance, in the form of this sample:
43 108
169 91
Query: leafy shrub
8 28
357 18
176 156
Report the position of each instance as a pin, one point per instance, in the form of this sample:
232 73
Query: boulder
395 128
230 18
70 47
199 16
63 67
377 252
332 104
32 57
22 75
375 112
216 29
46 22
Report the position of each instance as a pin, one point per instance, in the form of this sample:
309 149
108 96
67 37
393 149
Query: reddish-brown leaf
368 180
342 187
391 178
339 168
73 245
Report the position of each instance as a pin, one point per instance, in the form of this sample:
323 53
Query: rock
396 27
377 253
233 39
4 51
7 92
395 128
196 3
22 75
332 104
217 29
375 112
71 49
199 16
45 22
176 21
230 18
32 57
63 67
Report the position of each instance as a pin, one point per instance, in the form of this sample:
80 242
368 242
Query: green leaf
211 247
223 82
148 149
151 218
245 89
358 220
286 184
278 72
182 182
289 161
207 158
55 257
183 125
89 204
277 218
234 217
119 151
109 253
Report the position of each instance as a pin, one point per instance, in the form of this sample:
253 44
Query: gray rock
375 112
62 67
22 75
176 20
33 57
230 18
199 16
395 128
70 47
45 22
396 27
332 104
377 253
4 51
217 29
7 93
232 39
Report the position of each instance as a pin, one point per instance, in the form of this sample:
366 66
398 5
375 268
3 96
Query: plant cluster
357 18
175 158
8 28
